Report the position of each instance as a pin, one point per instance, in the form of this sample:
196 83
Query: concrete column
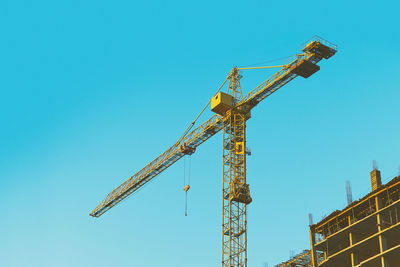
314 260
376 180
353 256
354 260
384 262
382 239
382 243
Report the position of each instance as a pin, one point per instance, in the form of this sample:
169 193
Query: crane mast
235 191
232 111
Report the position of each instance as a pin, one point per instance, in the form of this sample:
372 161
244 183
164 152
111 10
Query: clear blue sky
91 91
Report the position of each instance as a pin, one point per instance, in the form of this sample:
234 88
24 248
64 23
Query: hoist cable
268 61
184 171
190 167
193 122
186 203
186 187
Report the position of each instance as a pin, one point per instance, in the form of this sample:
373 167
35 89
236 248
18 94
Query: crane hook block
186 188
186 149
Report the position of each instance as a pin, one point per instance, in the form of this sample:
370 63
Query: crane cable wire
184 183
193 122
186 187
268 61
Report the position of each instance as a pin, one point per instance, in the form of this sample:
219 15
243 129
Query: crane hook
186 188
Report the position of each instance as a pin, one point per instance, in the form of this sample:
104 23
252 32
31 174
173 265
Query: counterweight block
304 68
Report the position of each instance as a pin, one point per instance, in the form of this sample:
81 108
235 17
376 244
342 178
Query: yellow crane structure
232 110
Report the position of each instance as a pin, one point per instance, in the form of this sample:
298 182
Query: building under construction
364 234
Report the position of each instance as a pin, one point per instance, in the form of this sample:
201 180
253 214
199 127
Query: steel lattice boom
233 110
162 162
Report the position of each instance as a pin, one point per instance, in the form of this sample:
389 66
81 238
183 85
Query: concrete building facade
364 234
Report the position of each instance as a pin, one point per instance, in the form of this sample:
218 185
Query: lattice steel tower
236 195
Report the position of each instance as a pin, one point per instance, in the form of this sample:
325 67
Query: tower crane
232 110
